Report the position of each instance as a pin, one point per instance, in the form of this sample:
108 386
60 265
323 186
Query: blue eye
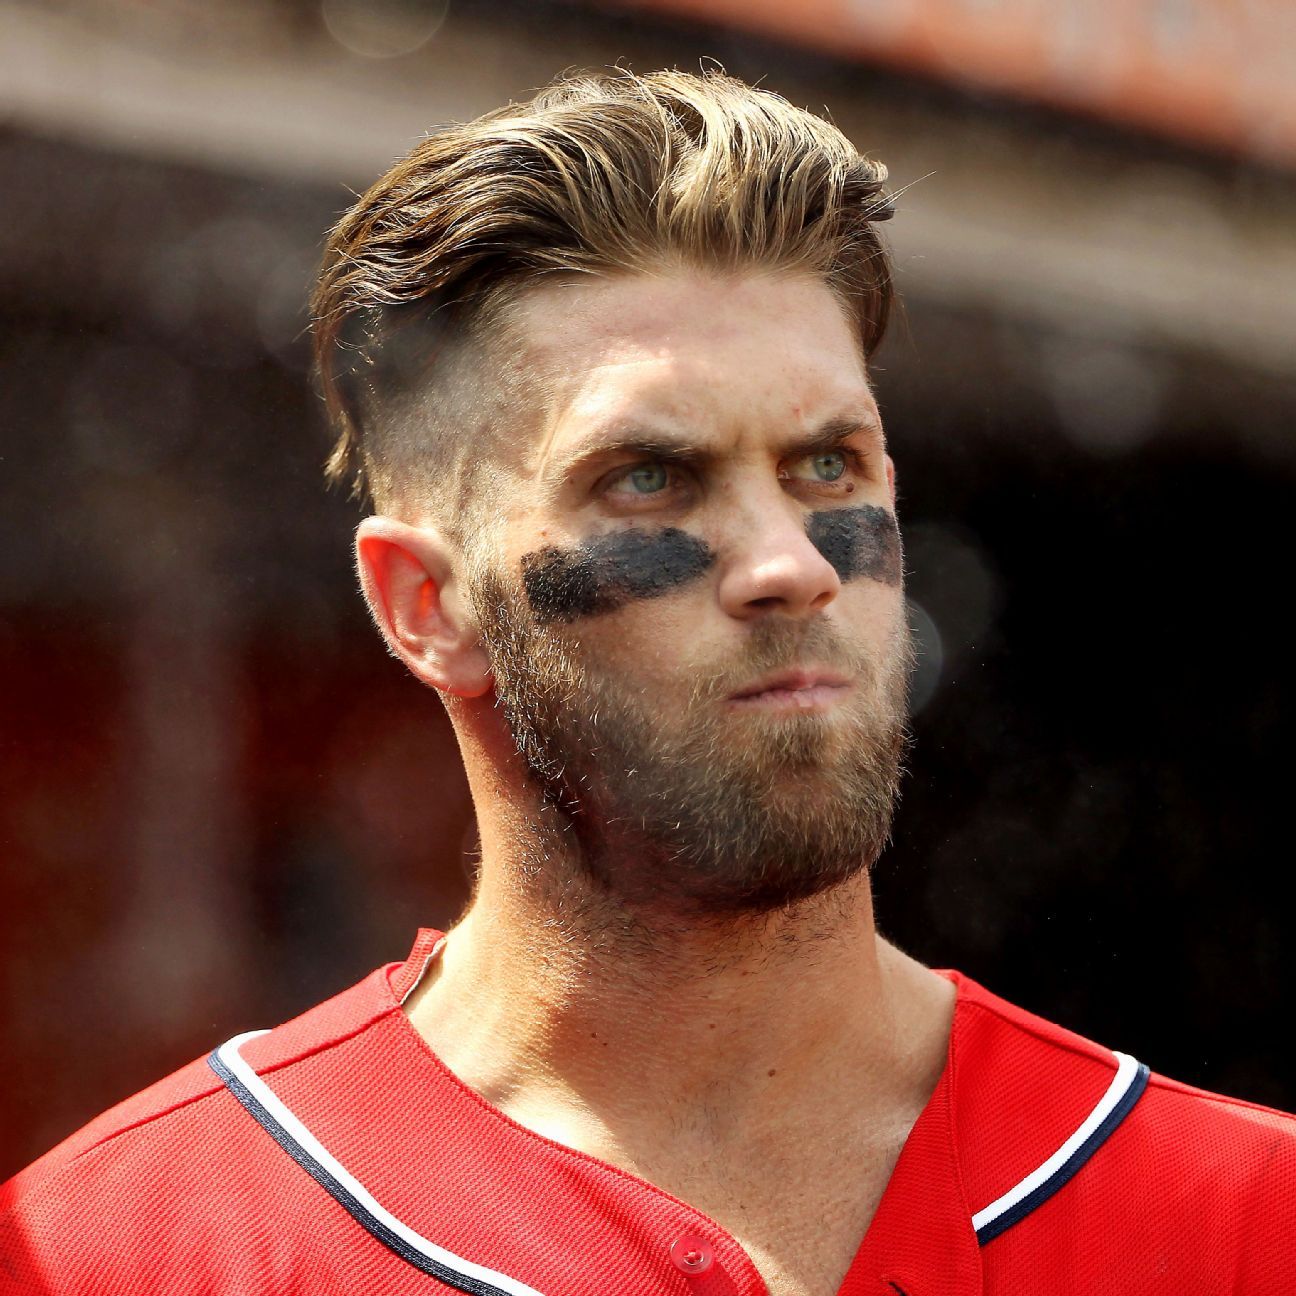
829 466
648 479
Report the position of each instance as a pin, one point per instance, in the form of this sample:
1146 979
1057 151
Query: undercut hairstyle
605 174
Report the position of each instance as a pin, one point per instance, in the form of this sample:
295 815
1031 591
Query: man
601 362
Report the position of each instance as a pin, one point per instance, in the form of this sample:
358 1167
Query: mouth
798 690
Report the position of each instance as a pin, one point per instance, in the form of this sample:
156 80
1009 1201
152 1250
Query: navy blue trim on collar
462 1282
1072 1165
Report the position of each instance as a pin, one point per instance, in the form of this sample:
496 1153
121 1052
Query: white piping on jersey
1126 1074
230 1056
427 962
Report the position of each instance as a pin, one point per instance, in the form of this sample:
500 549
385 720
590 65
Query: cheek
862 541
606 573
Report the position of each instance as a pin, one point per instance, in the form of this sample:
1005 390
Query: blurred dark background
222 801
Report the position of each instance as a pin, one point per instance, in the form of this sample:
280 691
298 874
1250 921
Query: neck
601 1027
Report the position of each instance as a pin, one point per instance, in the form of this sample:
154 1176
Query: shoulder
1184 1173
1015 1061
145 1189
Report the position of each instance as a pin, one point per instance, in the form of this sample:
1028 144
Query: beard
698 808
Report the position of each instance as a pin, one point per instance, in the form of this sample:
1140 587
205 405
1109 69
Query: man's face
694 612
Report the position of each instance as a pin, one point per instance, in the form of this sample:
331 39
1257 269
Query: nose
769 565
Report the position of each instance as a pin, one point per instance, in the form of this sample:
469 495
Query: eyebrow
632 442
835 431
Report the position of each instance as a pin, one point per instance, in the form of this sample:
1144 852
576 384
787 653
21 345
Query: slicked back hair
599 174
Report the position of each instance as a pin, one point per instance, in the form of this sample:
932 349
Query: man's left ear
890 476
409 575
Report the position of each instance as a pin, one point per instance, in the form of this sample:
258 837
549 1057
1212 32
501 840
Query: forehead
722 356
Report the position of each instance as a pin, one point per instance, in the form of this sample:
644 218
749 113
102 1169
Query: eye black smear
608 571
861 541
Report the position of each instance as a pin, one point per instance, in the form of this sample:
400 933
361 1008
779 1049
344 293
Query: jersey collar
921 1241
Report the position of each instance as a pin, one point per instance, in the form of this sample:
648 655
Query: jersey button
693 1255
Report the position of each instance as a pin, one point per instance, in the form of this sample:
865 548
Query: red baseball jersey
336 1154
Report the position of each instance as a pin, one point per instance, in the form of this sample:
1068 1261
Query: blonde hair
599 173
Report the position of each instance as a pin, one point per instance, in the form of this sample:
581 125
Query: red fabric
179 1190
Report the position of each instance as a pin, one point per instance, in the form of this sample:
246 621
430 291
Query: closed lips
791 682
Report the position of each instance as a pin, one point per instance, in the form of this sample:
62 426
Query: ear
408 575
890 476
